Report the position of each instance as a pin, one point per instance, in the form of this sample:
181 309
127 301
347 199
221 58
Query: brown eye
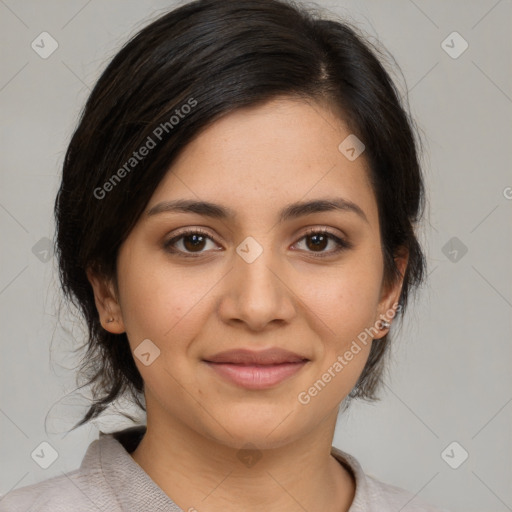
194 242
317 241
188 243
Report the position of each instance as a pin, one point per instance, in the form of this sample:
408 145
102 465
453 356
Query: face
250 309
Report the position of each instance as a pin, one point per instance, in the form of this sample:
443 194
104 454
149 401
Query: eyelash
341 243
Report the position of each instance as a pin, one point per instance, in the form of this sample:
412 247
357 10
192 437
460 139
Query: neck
203 475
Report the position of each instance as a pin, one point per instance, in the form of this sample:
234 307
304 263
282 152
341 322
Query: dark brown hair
218 56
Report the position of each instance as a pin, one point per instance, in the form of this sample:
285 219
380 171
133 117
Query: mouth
256 370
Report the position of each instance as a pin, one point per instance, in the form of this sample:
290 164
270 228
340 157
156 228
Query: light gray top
109 480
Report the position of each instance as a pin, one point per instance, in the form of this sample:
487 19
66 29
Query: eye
188 243
194 242
316 240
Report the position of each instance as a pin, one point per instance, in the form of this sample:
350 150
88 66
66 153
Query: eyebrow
291 211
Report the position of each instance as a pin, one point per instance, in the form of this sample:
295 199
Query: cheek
168 307
152 301
343 304
159 302
345 300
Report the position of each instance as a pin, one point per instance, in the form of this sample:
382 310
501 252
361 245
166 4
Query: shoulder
82 489
56 494
373 495
399 499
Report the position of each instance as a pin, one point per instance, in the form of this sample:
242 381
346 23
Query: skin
254 161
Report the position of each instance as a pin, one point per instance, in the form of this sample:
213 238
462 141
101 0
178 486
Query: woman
236 221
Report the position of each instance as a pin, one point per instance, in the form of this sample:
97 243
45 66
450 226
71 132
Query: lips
269 356
256 370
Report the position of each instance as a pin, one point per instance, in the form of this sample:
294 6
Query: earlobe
389 304
106 302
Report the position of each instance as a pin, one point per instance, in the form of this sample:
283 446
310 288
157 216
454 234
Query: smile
256 370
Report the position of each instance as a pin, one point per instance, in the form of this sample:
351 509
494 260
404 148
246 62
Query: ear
107 303
390 294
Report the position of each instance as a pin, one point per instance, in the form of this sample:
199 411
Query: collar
135 490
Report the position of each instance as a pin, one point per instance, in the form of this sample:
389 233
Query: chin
265 427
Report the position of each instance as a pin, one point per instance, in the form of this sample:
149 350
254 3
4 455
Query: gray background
450 377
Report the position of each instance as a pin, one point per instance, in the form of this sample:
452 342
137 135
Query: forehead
256 160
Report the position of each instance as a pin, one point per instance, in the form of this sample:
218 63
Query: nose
257 293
